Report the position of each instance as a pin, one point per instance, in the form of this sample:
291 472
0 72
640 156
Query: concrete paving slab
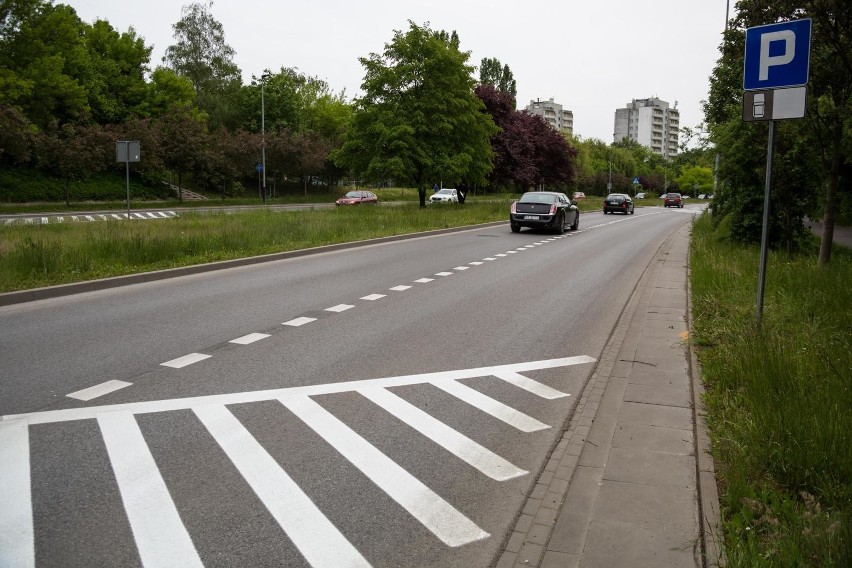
654 438
662 509
613 544
651 376
656 415
658 395
641 466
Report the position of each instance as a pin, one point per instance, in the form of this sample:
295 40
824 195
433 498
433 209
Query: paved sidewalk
631 482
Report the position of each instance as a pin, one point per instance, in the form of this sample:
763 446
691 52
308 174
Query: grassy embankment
779 400
41 255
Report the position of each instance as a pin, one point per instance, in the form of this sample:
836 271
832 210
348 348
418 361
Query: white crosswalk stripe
163 538
313 534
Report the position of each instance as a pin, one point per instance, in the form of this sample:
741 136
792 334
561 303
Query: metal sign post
775 75
127 151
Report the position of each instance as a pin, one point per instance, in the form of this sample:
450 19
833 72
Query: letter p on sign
777 56
767 60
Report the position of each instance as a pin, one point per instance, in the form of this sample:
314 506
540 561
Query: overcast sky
590 56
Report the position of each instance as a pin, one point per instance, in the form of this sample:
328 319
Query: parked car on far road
446 195
673 200
358 197
640 195
618 203
579 195
544 210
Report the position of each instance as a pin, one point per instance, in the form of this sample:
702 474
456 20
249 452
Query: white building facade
554 114
651 123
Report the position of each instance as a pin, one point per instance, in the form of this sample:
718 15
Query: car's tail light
553 209
514 203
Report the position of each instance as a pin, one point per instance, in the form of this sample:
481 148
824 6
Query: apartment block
554 114
651 123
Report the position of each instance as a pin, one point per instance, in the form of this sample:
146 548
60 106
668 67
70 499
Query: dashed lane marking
250 338
400 288
99 390
340 308
373 297
186 360
298 322
424 280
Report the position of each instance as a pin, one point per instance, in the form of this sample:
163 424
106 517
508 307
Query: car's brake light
553 209
514 203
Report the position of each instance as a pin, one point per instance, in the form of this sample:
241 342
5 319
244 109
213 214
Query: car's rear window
672 195
533 197
615 197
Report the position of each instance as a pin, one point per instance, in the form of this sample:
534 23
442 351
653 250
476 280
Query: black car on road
618 203
544 210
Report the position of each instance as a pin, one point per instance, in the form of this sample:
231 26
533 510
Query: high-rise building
552 112
651 123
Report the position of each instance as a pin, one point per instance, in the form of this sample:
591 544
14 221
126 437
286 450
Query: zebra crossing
57 219
162 537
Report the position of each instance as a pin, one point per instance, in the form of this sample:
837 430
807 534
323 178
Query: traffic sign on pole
775 72
777 55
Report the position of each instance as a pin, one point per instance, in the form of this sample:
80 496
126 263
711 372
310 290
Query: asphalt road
389 405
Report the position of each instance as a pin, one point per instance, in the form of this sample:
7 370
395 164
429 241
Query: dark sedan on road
672 200
618 203
358 197
544 210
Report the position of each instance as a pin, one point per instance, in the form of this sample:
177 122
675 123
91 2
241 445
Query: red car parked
673 200
358 197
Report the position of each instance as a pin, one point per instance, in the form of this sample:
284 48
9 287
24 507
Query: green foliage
45 61
201 55
813 157
166 91
27 185
419 120
115 81
779 400
492 72
695 180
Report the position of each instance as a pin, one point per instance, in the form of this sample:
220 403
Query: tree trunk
67 193
831 197
180 186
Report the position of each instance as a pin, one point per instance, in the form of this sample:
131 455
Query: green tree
821 139
492 72
115 81
16 136
43 58
165 91
695 180
419 120
202 56
182 135
73 151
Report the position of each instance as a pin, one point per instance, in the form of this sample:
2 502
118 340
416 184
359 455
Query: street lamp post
263 132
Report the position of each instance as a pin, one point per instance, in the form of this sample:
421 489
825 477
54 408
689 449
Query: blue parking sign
777 55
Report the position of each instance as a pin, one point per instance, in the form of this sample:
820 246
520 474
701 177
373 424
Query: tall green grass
40 255
779 400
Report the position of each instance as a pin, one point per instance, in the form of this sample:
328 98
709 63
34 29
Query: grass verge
779 400
33 256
